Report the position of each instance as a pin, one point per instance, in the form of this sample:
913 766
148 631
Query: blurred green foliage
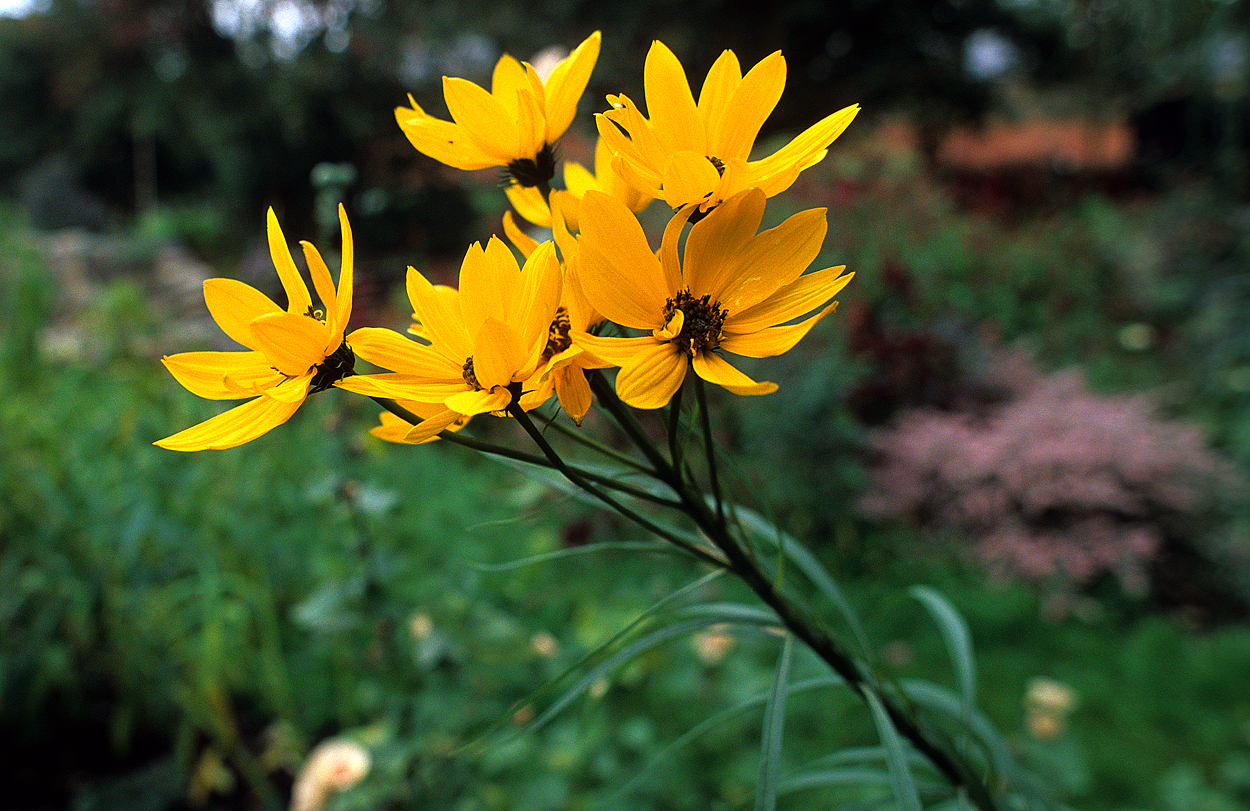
182 629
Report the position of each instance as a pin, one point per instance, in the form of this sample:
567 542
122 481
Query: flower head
513 125
334 765
530 203
486 341
688 152
291 353
733 290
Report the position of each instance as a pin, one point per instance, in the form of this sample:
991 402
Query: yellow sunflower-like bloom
513 125
292 352
486 341
567 363
733 290
529 202
700 153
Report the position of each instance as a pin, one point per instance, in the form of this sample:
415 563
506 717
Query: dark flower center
703 320
338 364
469 377
558 338
719 164
536 171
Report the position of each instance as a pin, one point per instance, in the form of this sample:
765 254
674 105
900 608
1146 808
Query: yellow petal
671 109
291 390
223 375
490 284
813 139
629 133
439 313
722 79
390 350
343 312
235 305
567 83
324 285
774 258
542 284
773 341
497 355
652 377
292 343
734 132
620 276
298 300
486 122
716 243
795 299
432 426
689 177
234 427
522 241
401 387
715 369
573 391
529 203
443 141
472 403
506 80
612 351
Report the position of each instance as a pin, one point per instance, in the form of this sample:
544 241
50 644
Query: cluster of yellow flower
515 333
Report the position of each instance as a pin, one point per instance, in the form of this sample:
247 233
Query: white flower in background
333 765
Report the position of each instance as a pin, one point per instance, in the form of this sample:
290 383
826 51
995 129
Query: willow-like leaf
807 563
999 760
649 547
773 730
958 641
651 640
905 792
602 649
721 717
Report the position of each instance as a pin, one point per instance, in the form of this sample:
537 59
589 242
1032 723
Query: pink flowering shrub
1051 480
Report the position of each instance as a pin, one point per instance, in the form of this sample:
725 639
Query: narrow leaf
900 772
958 641
773 730
807 563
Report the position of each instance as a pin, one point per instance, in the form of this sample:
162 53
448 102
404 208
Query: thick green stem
576 476
798 619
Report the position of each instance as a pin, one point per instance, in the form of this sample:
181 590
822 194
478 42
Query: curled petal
715 369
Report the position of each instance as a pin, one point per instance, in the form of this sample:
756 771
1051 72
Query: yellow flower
567 363
292 352
512 125
733 290
529 202
486 341
700 153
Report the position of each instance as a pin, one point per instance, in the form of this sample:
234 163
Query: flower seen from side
732 290
290 353
530 203
482 347
687 152
513 125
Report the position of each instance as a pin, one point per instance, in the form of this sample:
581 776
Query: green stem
578 478
799 619
528 458
709 447
581 438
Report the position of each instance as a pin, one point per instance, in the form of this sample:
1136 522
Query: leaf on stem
905 793
958 641
773 730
